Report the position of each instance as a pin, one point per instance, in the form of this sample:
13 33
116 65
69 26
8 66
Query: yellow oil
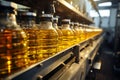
74 33
13 51
89 33
68 37
32 44
96 31
77 34
47 43
93 32
82 34
31 30
60 37
75 40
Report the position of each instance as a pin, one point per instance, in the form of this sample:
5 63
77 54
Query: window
104 13
105 4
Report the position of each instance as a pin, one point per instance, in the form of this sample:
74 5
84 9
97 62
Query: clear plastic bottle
31 30
13 42
82 32
77 32
74 32
88 32
60 47
48 37
68 35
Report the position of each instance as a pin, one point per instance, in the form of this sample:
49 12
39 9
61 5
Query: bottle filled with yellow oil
13 42
98 31
89 32
82 32
48 37
74 32
31 30
60 35
68 35
77 32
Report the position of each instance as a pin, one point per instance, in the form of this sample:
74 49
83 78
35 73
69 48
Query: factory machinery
71 63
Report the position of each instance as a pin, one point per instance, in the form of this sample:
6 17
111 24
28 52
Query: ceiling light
105 4
96 0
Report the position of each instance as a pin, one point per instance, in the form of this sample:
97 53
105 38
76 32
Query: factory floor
106 72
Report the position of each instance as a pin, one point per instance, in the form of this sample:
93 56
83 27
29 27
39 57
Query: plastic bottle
74 32
60 35
31 30
13 41
77 32
68 35
82 32
48 37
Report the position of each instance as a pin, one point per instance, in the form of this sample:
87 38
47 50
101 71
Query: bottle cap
29 14
66 21
46 17
76 24
55 20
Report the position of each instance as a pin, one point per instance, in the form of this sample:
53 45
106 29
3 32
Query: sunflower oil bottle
74 32
68 35
77 32
82 32
60 35
48 37
100 31
13 41
97 31
89 32
32 31
93 32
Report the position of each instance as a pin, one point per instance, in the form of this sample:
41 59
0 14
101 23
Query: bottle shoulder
67 32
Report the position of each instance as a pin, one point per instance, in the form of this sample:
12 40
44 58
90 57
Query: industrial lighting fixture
105 4
103 13
96 0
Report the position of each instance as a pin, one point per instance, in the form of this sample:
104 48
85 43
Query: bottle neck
55 25
71 27
29 23
75 27
65 26
7 18
46 25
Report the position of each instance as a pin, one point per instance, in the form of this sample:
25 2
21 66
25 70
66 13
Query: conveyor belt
62 65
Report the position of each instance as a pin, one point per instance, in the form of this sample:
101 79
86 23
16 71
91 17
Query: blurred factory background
103 14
